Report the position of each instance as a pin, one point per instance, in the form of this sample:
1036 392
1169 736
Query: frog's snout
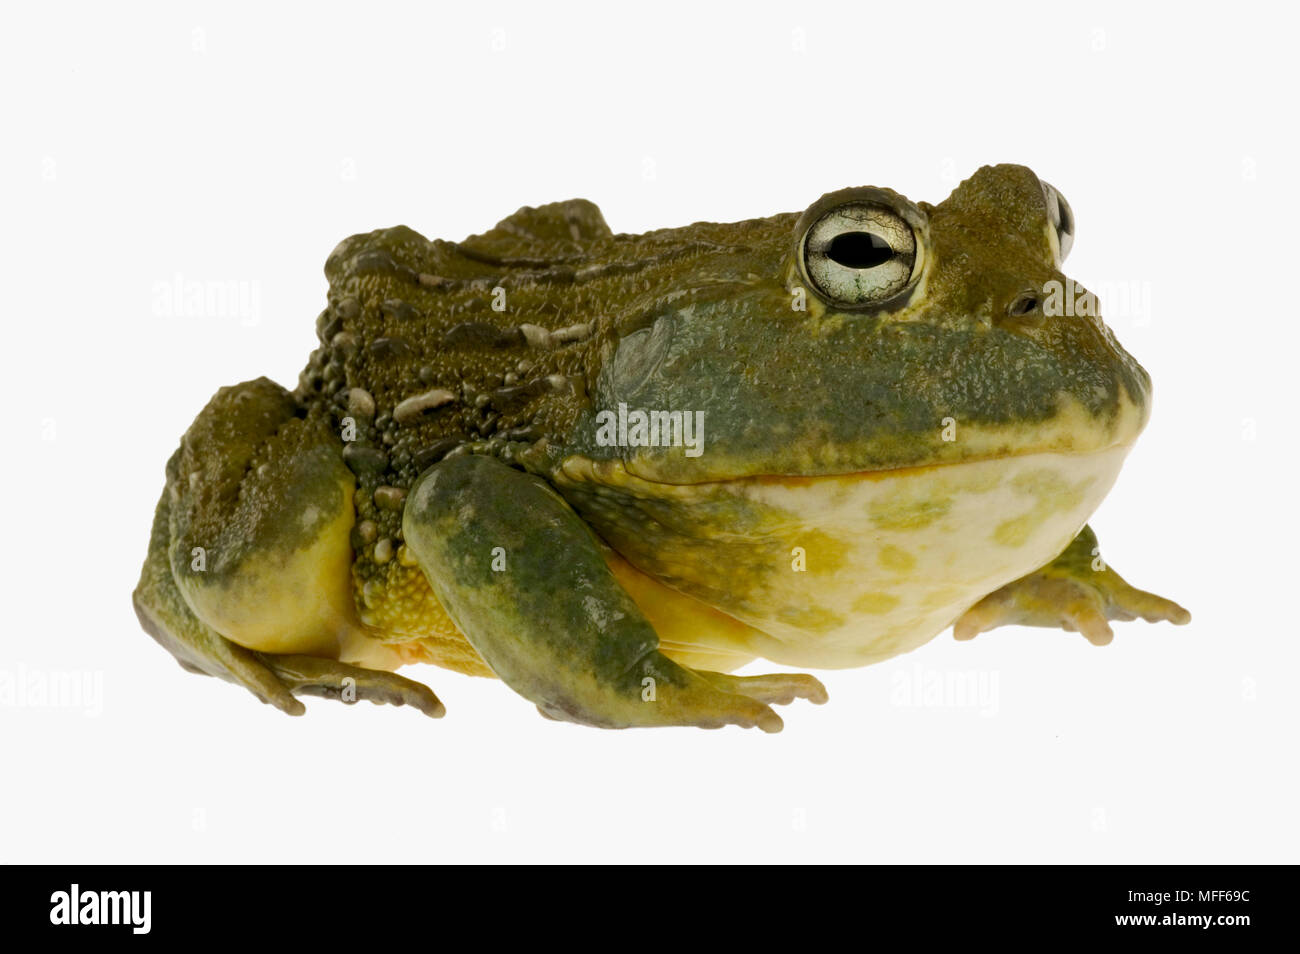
1064 319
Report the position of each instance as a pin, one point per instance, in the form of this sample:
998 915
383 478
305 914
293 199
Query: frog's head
878 333
916 396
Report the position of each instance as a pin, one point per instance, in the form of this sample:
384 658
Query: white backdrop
223 142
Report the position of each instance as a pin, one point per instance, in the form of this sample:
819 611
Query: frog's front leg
1077 592
525 580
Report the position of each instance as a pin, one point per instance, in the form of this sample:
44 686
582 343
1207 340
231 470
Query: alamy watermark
76 906
1128 301
640 428
945 689
191 298
28 688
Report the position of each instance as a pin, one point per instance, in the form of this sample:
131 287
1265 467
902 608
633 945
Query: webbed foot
310 676
1076 592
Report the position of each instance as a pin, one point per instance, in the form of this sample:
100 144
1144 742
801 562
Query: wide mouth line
879 473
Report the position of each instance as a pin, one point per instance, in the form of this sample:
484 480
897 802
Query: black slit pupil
1067 224
859 250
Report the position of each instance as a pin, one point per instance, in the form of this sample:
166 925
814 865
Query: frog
610 470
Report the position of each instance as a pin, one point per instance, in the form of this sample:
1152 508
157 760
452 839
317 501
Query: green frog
612 469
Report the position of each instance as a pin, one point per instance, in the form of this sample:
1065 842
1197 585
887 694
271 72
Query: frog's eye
1062 220
860 254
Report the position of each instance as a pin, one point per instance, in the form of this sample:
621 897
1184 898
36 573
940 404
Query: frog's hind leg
272 679
525 580
197 647
247 575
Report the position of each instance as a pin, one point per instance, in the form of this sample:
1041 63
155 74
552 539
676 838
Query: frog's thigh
166 617
260 517
525 580
274 679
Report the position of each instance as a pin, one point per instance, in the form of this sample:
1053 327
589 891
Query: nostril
1023 305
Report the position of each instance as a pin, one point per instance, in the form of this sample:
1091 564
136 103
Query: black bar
338 904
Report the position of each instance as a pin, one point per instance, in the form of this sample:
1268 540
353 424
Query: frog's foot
1076 592
777 689
675 695
312 676
526 582
668 693
659 692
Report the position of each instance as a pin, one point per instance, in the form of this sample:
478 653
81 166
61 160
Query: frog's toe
312 676
773 689
1131 603
708 707
989 613
1084 613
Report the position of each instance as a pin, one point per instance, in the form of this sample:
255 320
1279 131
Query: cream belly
844 571
891 560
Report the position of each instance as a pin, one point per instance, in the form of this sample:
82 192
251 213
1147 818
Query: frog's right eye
859 254
1062 222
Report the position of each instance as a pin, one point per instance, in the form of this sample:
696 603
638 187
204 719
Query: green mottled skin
522 335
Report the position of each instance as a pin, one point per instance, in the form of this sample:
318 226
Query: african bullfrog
611 469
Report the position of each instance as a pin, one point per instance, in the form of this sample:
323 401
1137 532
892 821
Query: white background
238 143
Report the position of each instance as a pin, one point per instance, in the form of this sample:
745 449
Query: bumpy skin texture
438 487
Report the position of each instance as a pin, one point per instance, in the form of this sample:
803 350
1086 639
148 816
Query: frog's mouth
1072 430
